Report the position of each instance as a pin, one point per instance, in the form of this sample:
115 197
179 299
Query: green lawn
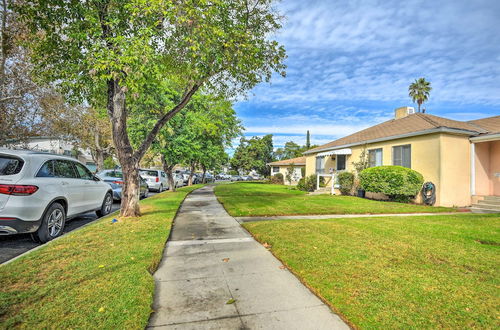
260 199
95 277
397 272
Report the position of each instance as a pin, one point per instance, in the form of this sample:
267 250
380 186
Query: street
14 245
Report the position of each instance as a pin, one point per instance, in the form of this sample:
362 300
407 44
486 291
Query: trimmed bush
346 182
307 183
397 182
277 179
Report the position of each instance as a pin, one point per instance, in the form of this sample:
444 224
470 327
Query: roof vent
403 112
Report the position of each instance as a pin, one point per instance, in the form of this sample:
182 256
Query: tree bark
167 168
117 111
204 173
190 180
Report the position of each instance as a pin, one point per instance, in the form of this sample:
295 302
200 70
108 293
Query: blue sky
350 63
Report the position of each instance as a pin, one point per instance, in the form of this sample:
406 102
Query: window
375 157
276 169
10 165
341 162
47 170
320 165
64 169
401 155
149 173
83 172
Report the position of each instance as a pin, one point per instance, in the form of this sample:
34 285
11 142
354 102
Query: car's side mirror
96 178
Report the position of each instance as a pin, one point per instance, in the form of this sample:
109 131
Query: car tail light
118 182
157 180
4 218
17 190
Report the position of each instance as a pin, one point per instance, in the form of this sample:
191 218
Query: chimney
403 112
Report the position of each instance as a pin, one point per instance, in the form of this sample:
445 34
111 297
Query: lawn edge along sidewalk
97 276
336 216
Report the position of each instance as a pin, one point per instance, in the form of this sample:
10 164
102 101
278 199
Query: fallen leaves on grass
230 301
225 259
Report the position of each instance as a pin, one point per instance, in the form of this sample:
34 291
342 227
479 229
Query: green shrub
307 183
346 182
277 179
397 182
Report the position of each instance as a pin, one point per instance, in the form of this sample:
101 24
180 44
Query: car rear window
150 173
114 174
10 165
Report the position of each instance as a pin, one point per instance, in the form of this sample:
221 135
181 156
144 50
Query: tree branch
163 120
8 98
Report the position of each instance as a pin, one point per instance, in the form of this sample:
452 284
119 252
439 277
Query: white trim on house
485 138
400 136
345 151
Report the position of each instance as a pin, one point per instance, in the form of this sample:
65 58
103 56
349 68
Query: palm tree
419 91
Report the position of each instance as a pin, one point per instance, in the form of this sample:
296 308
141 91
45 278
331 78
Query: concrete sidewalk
214 275
338 216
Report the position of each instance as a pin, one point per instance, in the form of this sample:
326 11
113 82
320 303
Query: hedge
397 182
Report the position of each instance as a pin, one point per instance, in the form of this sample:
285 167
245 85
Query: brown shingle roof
410 124
491 124
294 161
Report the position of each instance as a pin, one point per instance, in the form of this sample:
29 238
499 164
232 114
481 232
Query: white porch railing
332 175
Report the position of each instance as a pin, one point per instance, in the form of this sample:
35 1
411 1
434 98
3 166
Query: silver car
115 179
40 191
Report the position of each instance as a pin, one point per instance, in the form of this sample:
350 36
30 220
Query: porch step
488 202
475 209
321 191
492 199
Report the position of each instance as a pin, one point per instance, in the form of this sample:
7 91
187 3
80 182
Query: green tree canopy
113 54
254 154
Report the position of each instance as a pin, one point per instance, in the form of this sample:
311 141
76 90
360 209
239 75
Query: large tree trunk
167 168
128 160
190 180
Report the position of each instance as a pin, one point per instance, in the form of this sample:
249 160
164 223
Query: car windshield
10 165
150 173
113 174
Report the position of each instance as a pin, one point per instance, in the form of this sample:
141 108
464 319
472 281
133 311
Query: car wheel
145 195
160 189
52 224
106 206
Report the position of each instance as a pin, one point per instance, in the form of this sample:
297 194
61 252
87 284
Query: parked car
236 178
115 179
156 179
178 180
39 192
209 177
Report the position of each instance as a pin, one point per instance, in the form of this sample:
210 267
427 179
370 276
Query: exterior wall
283 170
441 158
495 167
455 171
482 168
487 167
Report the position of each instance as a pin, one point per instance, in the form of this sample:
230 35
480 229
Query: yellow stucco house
282 166
462 158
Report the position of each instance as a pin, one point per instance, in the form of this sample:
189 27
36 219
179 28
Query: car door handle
64 183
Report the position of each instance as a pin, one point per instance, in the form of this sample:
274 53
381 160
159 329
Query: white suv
40 191
156 179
